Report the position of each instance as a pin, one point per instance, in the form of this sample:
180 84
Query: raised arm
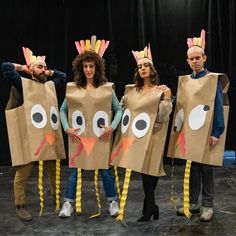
10 72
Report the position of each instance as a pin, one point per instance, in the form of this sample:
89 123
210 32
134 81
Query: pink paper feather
149 52
78 47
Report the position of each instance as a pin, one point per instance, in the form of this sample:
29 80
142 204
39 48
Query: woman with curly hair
89 88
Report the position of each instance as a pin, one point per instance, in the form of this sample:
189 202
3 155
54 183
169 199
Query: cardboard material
86 109
34 128
139 142
190 139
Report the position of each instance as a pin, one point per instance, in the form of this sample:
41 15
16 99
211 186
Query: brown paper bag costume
139 143
87 110
34 128
193 119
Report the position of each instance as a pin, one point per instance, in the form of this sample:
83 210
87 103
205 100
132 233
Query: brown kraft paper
34 128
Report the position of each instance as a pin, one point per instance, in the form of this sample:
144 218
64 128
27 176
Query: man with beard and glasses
38 71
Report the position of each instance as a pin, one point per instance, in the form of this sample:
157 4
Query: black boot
149 206
148 213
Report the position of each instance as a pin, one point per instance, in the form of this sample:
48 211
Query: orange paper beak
127 142
50 137
88 144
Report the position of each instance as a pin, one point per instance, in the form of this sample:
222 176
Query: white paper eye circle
141 125
78 121
100 118
38 116
197 116
125 120
54 118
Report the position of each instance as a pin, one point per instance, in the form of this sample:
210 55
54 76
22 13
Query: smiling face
196 58
89 69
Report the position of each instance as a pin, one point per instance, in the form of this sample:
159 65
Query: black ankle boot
148 214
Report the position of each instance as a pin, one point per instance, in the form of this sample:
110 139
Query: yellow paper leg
186 189
40 186
78 207
57 193
124 195
117 182
97 195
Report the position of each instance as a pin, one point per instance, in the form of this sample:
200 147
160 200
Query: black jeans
202 176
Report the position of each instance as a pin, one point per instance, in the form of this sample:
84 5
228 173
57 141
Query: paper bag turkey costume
139 143
194 113
34 128
87 110
193 118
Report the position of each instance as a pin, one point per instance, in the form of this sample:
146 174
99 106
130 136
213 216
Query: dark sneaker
22 213
193 208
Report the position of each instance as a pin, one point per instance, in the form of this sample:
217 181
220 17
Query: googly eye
179 120
141 125
54 118
197 116
38 116
78 121
125 120
100 118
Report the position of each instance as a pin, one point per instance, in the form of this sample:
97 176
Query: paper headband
98 46
145 54
201 42
30 59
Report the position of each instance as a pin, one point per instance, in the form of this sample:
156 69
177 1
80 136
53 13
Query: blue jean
108 185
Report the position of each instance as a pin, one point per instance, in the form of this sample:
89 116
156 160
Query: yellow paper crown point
93 45
200 42
145 53
30 58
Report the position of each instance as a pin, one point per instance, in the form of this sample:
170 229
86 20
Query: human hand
49 72
25 68
107 132
166 91
73 134
213 141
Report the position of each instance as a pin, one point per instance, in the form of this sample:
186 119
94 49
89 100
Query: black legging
149 186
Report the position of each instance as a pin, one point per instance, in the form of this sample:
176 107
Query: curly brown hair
138 81
77 67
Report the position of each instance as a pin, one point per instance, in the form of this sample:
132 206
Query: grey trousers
202 177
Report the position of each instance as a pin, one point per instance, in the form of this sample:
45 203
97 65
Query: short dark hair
138 81
77 66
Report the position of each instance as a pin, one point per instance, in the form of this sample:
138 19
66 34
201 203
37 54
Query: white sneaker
193 208
206 214
114 208
66 210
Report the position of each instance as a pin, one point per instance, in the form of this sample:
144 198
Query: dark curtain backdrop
51 27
